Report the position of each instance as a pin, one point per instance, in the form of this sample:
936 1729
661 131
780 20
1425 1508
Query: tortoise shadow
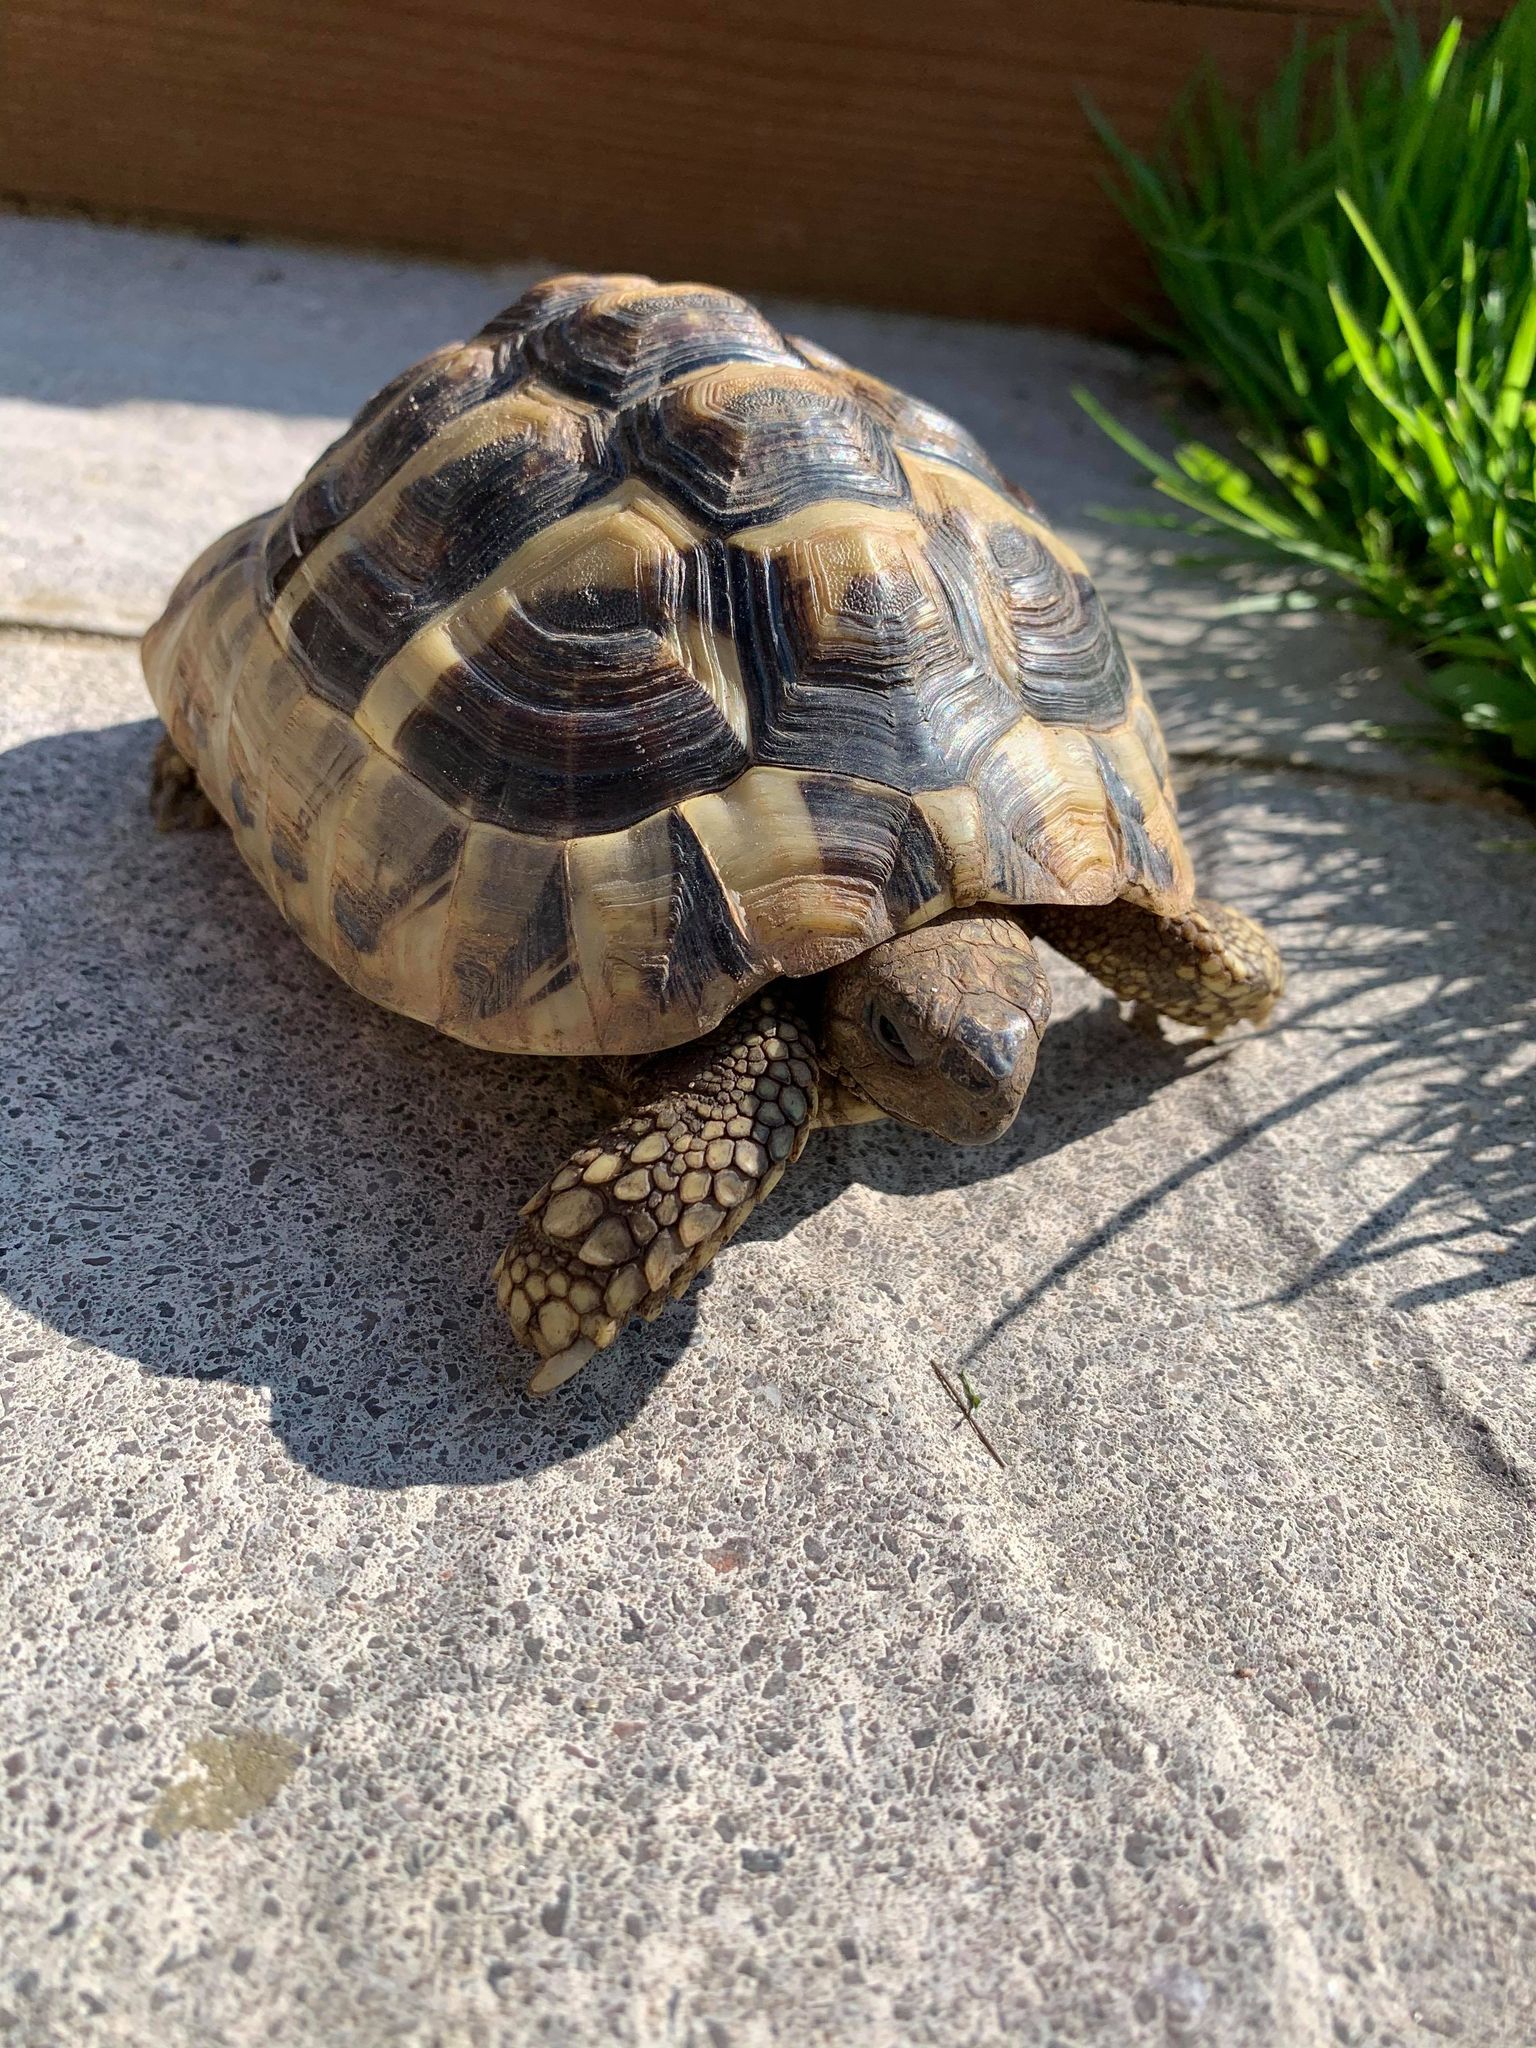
231 1169
228 1168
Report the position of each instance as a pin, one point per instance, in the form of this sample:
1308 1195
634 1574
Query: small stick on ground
967 1403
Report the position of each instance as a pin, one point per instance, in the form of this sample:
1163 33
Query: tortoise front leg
630 1220
1213 967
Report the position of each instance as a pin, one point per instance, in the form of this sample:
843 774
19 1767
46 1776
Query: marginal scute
196 648
1153 861
396 851
807 858
655 931
311 759
510 979
1047 840
630 655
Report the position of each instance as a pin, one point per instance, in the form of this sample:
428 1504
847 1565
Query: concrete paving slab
737 1696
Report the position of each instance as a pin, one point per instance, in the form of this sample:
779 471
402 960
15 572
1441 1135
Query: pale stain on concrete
232 1776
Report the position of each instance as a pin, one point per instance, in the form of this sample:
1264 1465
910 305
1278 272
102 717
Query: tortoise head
940 1026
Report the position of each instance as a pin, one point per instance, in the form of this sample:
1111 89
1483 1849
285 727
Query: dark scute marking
388 431
542 303
618 352
576 717
1072 669
587 610
241 802
354 919
862 691
967 704
362 914
707 588
540 954
513 739
858 830
590 643
1140 857
706 941
287 858
562 977
741 452
281 554
447 532
344 631
920 874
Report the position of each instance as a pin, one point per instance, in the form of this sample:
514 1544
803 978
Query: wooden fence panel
894 151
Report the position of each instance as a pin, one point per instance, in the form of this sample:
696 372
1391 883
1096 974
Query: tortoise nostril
989 1054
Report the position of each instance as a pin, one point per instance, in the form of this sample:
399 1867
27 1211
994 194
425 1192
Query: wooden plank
1331 14
888 151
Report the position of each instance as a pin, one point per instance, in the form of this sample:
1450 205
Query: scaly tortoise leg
1212 967
176 800
630 1220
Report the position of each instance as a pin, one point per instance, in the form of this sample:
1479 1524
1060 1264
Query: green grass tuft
1352 262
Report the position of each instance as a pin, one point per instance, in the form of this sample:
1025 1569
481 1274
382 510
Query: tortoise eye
888 1037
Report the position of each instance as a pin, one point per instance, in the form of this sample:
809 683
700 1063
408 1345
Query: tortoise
638 682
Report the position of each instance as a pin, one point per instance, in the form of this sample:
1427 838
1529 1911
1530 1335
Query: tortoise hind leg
1213 967
631 1218
176 800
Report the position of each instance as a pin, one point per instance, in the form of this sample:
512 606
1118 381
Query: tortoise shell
633 653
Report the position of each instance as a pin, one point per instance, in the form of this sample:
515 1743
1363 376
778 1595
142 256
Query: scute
1058 645
739 444
404 418
446 518
633 653
622 344
580 690
846 626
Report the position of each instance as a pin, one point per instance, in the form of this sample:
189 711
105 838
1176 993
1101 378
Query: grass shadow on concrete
1412 963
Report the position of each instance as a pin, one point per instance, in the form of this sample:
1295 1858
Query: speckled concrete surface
736 1696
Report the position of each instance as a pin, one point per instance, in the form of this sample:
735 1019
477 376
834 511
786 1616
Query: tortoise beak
989 1061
